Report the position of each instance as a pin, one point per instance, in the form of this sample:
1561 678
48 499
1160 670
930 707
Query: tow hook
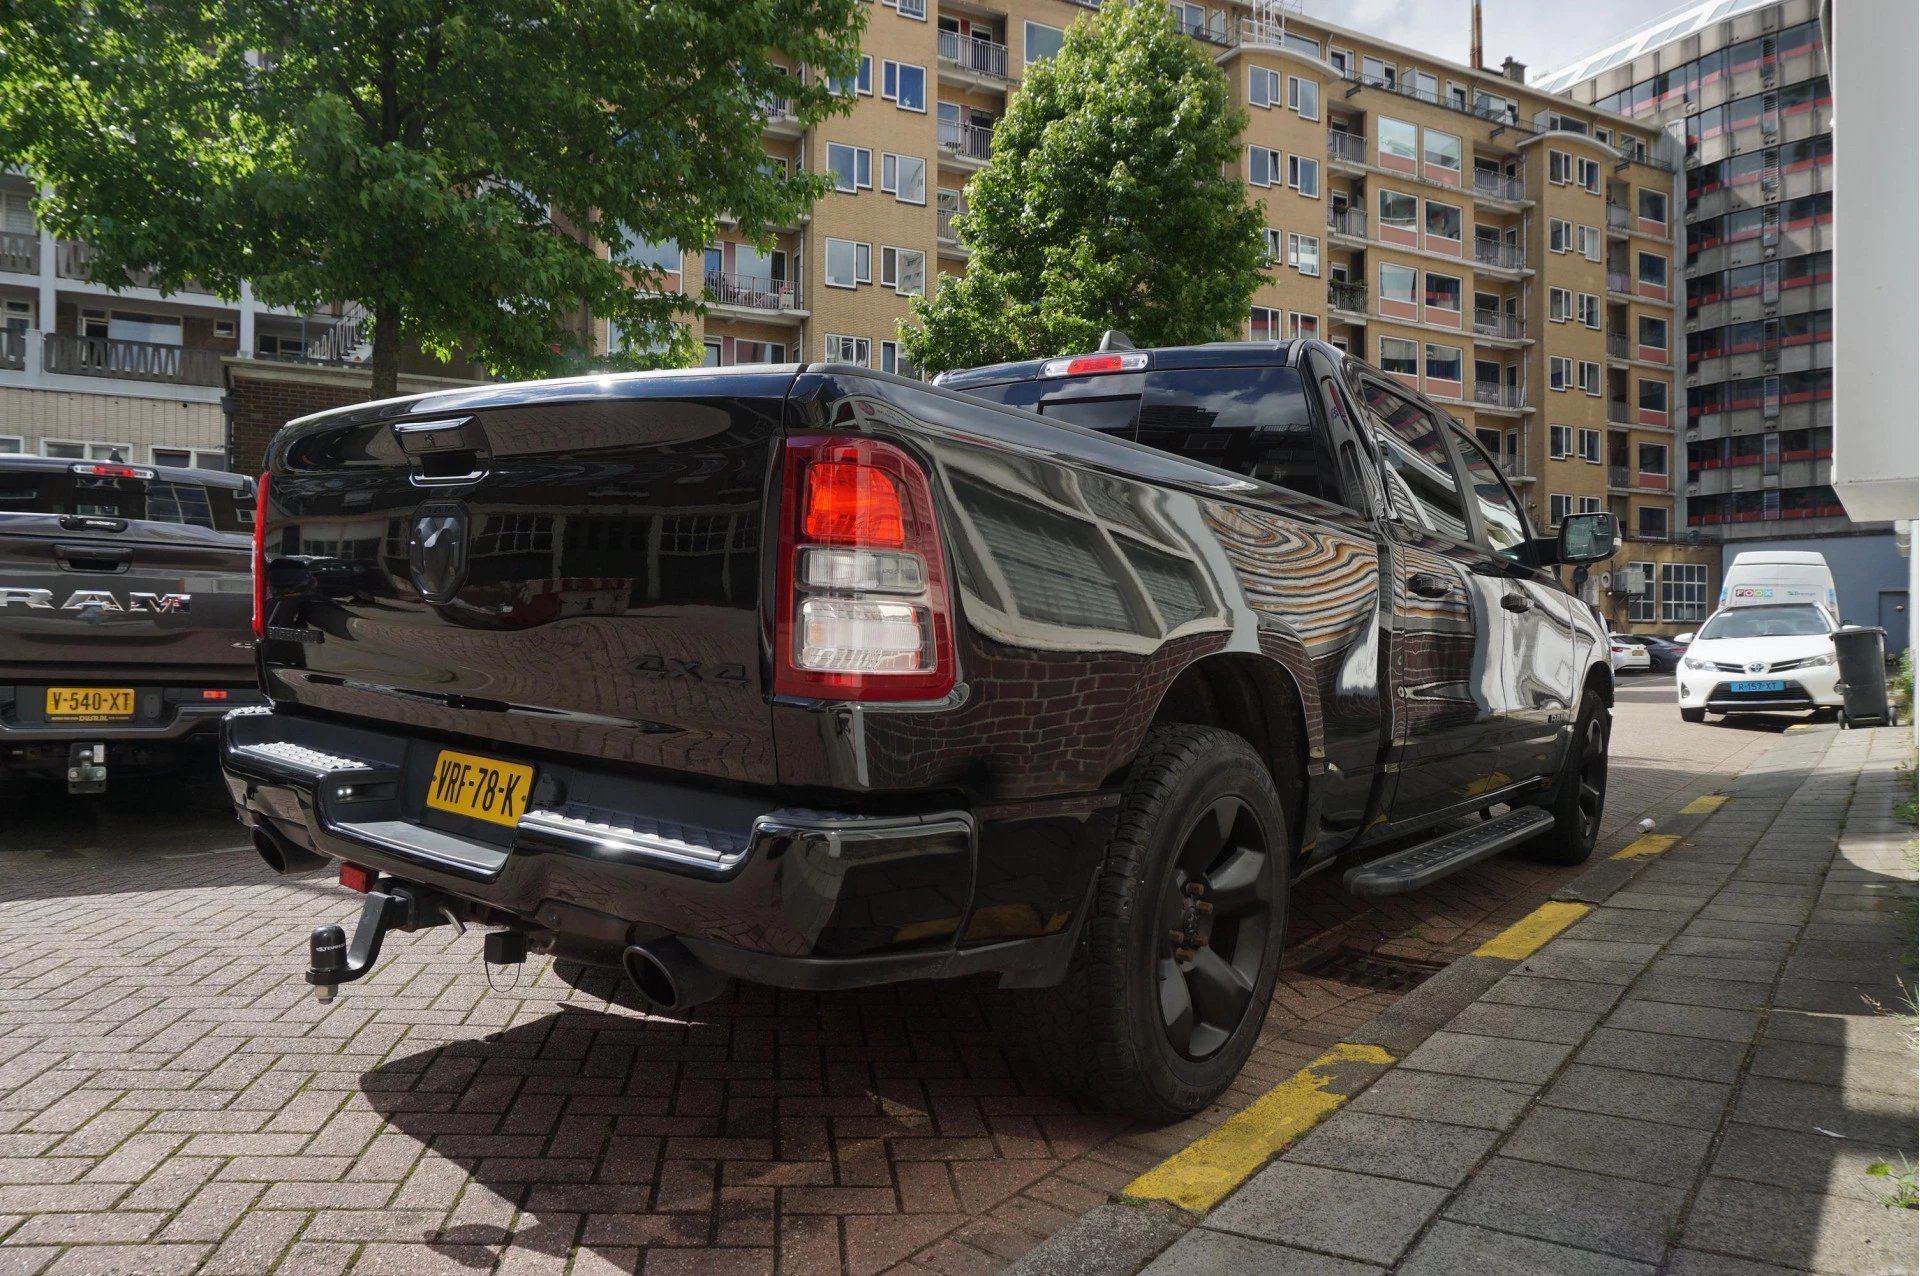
332 962
87 768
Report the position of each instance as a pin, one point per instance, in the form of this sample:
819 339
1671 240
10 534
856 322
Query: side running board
1428 862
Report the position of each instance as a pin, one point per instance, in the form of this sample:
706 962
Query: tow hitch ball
333 962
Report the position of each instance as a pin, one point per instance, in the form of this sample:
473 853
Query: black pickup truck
124 597
1063 671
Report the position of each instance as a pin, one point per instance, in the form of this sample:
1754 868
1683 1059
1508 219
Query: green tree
447 164
1112 201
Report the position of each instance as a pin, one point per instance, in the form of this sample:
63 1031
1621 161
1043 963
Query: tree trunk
386 350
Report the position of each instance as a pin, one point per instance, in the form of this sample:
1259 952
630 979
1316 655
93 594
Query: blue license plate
1758 686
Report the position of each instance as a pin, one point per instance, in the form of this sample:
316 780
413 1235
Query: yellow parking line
1200 1175
1647 844
1704 805
1524 937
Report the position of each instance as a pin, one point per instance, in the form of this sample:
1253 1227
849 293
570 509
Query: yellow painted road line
1647 844
1704 805
1200 1175
1525 937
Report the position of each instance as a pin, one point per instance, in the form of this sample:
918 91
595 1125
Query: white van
1764 576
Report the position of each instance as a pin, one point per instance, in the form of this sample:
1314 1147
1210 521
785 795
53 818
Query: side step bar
1428 862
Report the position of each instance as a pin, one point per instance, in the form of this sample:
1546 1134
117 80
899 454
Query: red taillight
260 558
1096 363
111 471
862 605
213 695
355 878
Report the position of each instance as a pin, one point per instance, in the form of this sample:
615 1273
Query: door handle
93 558
1516 602
1430 584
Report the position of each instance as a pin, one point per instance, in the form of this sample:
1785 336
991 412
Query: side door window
1418 471
1500 512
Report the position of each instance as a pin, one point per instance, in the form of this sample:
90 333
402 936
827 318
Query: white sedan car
1629 654
1762 659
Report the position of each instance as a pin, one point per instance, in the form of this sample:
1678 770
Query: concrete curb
1160 1206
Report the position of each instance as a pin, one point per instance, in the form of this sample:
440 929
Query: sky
1544 34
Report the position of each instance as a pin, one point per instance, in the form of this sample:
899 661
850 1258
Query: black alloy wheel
1214 912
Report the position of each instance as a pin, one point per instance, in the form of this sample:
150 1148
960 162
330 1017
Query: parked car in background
1061 671
1629 654
1663 653
124 597
1759 658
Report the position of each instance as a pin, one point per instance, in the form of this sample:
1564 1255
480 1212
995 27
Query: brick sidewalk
1692 1079
172 1097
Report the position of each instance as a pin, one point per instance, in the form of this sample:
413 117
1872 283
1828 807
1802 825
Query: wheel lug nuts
1196 889
1202 906
1183 954
1178 937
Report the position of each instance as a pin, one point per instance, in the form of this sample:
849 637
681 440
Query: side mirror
1587 538
1683 639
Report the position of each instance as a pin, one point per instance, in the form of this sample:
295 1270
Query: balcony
129 360
1348 298
1498 186
13 349
973 59
1346 148
1617 345
943 225
73 258
1350 222
1620 412
1499 256
758 296
1618 218
1491 394
1498 327
19 252
1514 468
781 120
966 145
1619 281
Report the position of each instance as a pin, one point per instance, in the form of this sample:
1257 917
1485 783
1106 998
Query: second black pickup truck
1063 671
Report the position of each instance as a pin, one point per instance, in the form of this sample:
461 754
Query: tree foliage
446 164
1112 201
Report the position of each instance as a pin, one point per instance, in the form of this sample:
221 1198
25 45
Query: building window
1653 205
910 8
1263 86
1302 327
1559 304
1379 71
1443 363
1559 235
1559 442
1653 396
1559 372
68 450
859 82
904 84
1303 253
1589 310
848 263
1589 505
1443 293
1275 241
1398 139
1398 210
710 354
1442 150
1559 505
1043 41
1265 324
1263 165
1303 175
894 359
1683 591
1653 332
1559 167
1653 269
858 350
1590 242
904 270
1303 96
851 166
1590 376
1589 171
1590 446
181 458
1642 606
1399 356
1398 283
904 177
1443 221
1653 458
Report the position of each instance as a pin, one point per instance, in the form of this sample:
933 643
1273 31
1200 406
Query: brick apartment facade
1511 254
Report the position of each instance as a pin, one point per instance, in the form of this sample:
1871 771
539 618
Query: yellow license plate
484 788
95 704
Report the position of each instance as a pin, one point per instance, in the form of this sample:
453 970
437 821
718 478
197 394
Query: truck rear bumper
600 860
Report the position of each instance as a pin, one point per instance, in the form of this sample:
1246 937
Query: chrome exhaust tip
669 976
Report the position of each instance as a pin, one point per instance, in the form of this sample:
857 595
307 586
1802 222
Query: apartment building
135 375
1742 87
1509 253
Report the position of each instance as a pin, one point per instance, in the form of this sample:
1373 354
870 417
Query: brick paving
172 1098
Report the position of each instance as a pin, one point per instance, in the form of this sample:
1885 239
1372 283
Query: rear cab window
1253 421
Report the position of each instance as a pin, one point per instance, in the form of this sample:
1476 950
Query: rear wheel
1580 795
1175 967
1693 715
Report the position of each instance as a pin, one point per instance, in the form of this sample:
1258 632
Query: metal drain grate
1383 974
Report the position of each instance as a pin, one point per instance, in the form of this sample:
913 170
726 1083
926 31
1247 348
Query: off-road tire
1576 814
1100 1033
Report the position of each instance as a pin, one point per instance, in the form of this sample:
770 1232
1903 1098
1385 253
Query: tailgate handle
93 558
443 453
